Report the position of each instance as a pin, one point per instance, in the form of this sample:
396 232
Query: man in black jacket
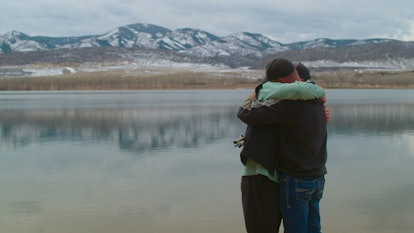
301 150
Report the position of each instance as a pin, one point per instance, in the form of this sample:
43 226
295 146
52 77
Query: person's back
302 139
302 135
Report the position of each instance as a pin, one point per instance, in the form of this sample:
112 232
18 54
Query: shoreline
119 80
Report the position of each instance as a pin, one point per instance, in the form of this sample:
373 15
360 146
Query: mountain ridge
242 49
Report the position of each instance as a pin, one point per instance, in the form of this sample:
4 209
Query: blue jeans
299 202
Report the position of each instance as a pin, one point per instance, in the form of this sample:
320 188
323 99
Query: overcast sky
281 20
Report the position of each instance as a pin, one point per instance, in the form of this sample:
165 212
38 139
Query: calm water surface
163 161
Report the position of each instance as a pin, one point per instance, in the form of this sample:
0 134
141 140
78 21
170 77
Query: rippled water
163 161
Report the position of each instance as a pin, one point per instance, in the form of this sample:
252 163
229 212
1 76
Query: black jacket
260 145
299 130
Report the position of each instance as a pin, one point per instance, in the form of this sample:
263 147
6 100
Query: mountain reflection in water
137 129
163 161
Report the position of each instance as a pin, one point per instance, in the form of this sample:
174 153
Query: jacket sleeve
290 91
262 115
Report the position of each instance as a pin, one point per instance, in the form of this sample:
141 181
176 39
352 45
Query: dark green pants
261 209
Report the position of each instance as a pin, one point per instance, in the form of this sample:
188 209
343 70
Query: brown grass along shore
117 80
365 79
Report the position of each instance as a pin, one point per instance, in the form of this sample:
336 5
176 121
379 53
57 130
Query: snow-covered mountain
240 44
186 40
134 35
189 45
17 41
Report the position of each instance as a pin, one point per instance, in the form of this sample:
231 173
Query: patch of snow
38 72
403 64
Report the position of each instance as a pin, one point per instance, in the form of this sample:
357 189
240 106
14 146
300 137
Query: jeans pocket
304 189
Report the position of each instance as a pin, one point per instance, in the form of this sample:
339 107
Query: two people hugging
284 151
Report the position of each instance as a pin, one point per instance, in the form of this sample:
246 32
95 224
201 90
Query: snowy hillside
193 46
186 40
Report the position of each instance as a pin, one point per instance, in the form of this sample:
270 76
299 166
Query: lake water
163 161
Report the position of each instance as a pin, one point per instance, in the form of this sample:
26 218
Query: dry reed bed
365 79
116 81
119 80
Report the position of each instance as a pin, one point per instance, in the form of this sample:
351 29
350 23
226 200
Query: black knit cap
303 72
279 68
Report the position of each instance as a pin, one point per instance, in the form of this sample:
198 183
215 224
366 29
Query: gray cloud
281 20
